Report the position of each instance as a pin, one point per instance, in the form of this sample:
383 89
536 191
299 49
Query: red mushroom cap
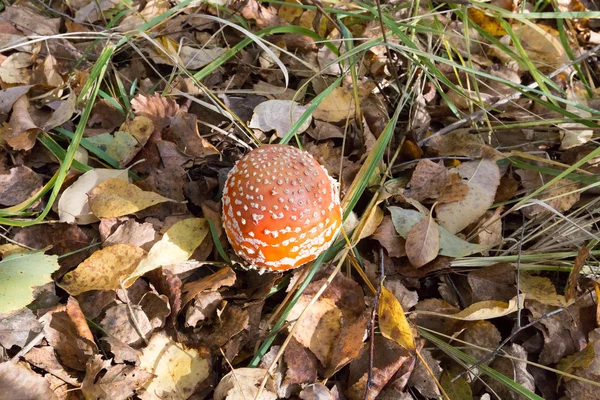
280 208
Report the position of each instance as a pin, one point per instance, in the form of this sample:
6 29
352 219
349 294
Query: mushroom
280 208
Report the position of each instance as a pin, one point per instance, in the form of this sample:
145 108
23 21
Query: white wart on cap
280 208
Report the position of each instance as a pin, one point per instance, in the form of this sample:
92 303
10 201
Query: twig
480 113
132 315
372 325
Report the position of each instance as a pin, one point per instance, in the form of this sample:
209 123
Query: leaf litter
126 286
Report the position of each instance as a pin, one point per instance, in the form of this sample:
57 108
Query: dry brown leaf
571 290
116 382
243 383
8 98
184 131
18 328
428 181
541 289
423 242
23 383
159 109
387 237
22 131
559 196
223 277
19 185
67 331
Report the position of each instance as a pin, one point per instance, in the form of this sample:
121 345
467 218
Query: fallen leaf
133 233
483 178
575 133
177 245
581 359
67 331
243 383
22 131
8 97
571 290
117 322
427 181
483 310
496 282
21 273
392 321
423 242
183 130
337 106
19 328
19 185
223 277
450 245
488 23
178 370
116 382
389 358
45 358
483 335
421 378
542 45
115 197
387 237
63 113
561 195
73 205
159 109
22 383
105 269
458 389
278 115
517 371
541 289
461 143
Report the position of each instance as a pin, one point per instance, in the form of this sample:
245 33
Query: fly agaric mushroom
280 208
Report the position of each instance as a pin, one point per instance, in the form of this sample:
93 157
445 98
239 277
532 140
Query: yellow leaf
178 370
392 321
337 106
582 359
483 310
488 23
176 245
103 270
116 197
290 13
541 289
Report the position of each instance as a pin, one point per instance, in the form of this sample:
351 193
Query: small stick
372 325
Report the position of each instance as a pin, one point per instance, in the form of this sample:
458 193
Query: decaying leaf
18 185
243 383
541 289
19 275
106 381
278 115
178 370
104 270
582 359
115 197
176 245
22 383
483 177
